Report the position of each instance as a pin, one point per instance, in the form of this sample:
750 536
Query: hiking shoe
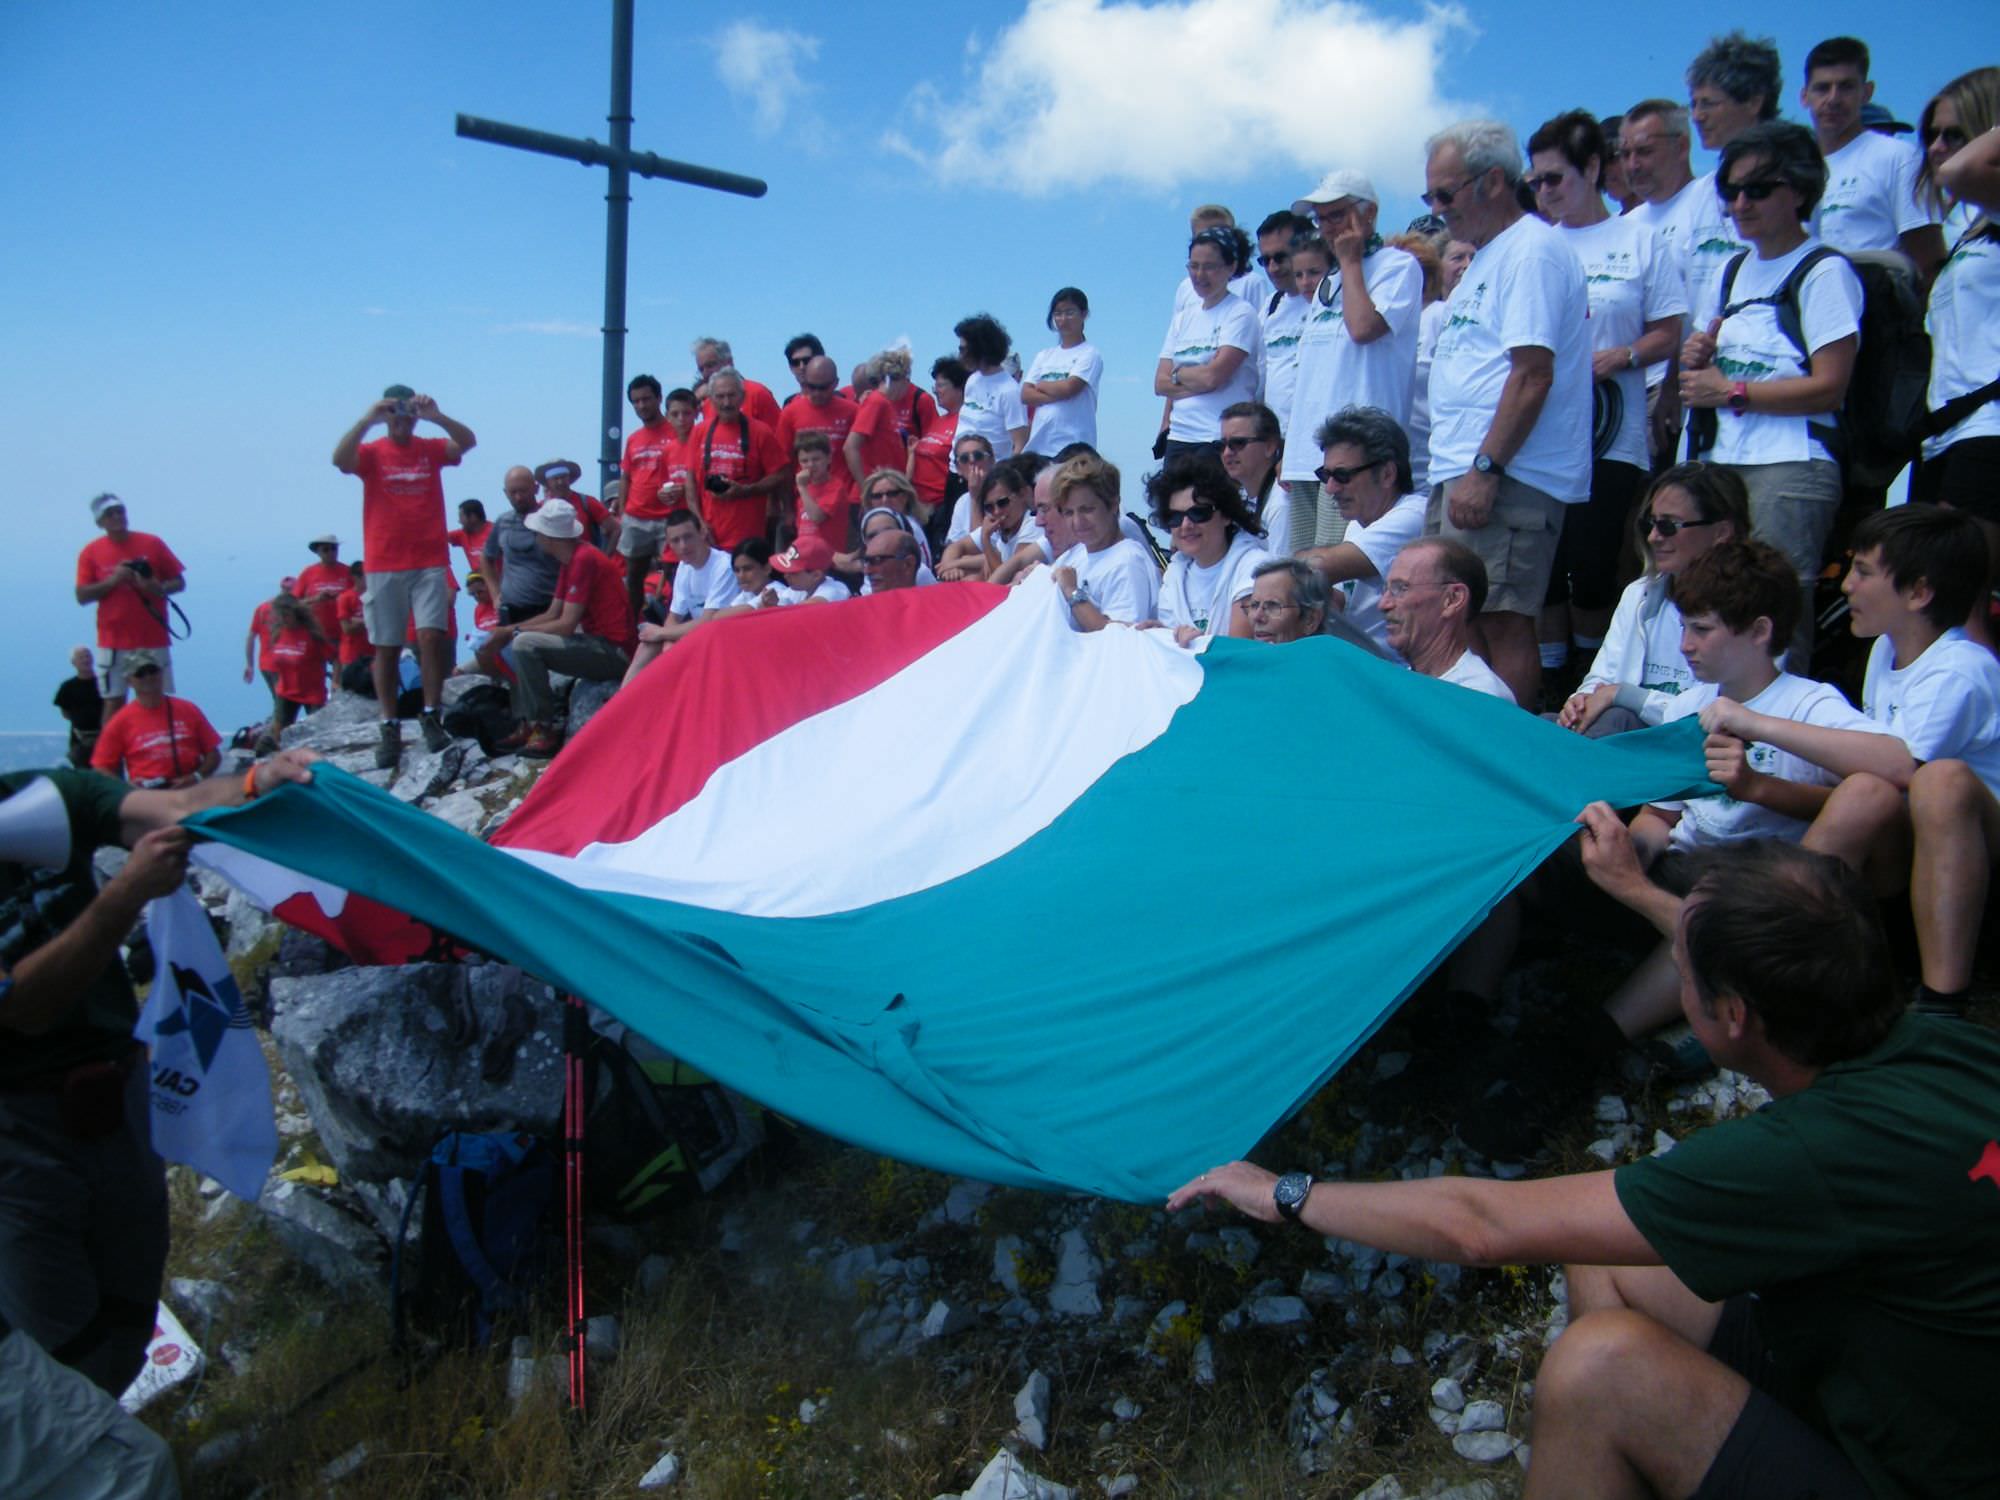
265 746
389 749
509 744
1676 1056
436 736
543 743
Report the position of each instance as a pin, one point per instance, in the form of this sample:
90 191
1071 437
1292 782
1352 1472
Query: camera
141 567
715 484
403 407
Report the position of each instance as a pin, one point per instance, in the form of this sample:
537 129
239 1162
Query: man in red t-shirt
324 582
352 633
711 358
588 632
739 469
600 528
128 575
403 535
655 470
889 420
820 411
155 740
469 536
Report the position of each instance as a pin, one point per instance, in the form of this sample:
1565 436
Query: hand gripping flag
933 873
211 1088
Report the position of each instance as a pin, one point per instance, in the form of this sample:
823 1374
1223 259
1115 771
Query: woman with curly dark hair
992 407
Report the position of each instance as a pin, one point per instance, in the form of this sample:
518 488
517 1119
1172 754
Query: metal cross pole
623 162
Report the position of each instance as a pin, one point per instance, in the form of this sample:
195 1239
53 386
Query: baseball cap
1880 117
556 518
575 470
99 504
397 393
809 554
326 539
1342 182
142 661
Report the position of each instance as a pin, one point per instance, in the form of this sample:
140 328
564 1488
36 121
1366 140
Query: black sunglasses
1756 190
1343 476
1666 526
1272 260
1194 513
799 359
1238 444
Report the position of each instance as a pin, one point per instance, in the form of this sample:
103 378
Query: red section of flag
724 690
1989 1165
366 931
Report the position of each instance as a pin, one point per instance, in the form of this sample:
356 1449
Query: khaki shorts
642 538
1517 543
393 597
113 667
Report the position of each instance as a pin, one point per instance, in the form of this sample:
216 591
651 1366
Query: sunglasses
1951 135
816 386
1756 190
1342 476
1547 182
884 497
1197 514
994 507
1666 526
877 560
1443 196
1238 444
1272 260
799 359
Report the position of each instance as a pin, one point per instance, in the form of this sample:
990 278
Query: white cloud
559 326
1081 92
760 65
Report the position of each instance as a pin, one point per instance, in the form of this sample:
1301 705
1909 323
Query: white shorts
642 538
112 679
392 598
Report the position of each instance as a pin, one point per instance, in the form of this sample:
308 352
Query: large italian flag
932 873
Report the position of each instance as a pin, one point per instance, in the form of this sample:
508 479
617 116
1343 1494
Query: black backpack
1883 418
484 713
657 1130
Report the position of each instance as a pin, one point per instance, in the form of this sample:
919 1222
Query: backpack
656 1129
483 712
1882 419
484 1244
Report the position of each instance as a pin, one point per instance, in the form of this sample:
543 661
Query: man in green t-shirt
83 1210
1802 1302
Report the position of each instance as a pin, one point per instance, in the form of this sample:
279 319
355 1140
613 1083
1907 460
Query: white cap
324 539
99 504
556 518
1343 182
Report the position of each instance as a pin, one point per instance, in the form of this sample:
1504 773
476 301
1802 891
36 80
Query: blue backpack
484 1244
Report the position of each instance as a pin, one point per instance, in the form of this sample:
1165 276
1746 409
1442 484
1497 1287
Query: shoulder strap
1957 409
1785 300
1276 298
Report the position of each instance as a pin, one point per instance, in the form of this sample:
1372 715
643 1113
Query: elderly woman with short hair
1216 547
1762 402
1288 601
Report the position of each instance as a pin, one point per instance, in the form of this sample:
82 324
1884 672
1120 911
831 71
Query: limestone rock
1005 1478
662 1474
585 699
330 1233
1483 1447
1074 1291
1031 1413
1483 1416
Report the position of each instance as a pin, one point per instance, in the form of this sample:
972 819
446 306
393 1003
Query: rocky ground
831 1323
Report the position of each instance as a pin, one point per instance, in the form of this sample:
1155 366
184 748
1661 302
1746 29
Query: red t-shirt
321 586
835 496
353 643
759 405
597 583
125 618
933 465
301 666
402 503
154 743
260 626
835 419
882 445
469 540
733 521
650 455
485 616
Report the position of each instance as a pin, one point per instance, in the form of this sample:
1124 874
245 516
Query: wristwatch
1739 396
1631 358
1482 464
1078 595
1290 1193
1174 376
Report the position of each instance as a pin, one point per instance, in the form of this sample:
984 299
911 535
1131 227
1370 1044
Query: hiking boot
265 746
389 749
511 743
543 743
1677 1056
436 736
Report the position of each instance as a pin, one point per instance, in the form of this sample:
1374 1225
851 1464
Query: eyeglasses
1197 514
1951 135
1344 476
1258 608
799 359
1443 196
1756 190
994 507
1238 444
1666 526
1272 260
1401 586
1547 182
1206 267
884 497
877 559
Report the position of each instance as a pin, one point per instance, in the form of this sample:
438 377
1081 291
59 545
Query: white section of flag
965 754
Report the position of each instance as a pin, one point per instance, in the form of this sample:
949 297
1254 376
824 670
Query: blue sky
231 225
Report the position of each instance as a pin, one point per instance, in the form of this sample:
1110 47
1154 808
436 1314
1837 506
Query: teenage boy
825 498
1738 603
704 581
1917 571
804 567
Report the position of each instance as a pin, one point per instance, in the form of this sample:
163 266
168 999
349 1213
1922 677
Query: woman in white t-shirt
1767 384
992 404
1003 524
1105 577
1217 548
1060 389
1208 362
1639 670
1637 301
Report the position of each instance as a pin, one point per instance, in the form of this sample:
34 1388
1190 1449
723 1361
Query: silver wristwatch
1290 1193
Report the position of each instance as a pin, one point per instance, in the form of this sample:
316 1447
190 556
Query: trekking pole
576 1026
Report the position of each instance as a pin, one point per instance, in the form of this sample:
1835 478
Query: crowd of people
1583 438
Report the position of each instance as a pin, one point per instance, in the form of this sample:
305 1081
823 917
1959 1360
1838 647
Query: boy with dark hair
1917 572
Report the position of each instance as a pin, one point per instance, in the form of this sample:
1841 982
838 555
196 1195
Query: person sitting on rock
1430 601
704 585
804 567
156 740
1803 1290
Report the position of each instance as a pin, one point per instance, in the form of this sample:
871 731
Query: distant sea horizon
28 749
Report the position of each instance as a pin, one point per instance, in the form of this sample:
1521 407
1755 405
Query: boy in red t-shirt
825 497
128 575
156 740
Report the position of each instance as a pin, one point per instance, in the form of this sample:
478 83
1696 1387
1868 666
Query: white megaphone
34 826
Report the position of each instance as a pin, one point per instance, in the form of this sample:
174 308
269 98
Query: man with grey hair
1287 602
1431 599
1732 84
711 357
1367 474
1357 346
1510 391
737 469
1653 145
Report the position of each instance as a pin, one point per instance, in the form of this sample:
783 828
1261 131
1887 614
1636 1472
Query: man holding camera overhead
128 575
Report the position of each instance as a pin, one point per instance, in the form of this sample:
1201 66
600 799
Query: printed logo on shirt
1717 244
1744 369
1281 341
